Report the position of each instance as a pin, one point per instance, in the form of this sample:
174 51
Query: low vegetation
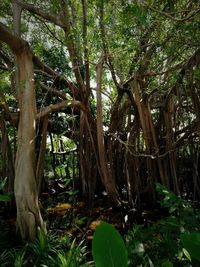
173 240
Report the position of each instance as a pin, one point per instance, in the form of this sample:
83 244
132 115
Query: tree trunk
25 190
106 176
152 148
171 159
88 161
28 214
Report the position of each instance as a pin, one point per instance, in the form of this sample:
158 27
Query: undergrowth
171 241
46 251
159 243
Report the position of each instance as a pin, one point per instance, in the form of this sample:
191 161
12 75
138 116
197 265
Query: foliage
45 250
171 241
6 197
153 244
183 210
108 247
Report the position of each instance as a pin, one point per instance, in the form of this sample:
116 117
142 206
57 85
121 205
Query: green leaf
167 264
172 209
191 242
72 193
108 248
187 255
5 198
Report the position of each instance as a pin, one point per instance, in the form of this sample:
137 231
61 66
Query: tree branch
16 44
52 91
171 17
38 11
56 76
85 44
59 106
107 55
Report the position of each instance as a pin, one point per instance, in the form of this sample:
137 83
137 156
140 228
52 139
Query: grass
46 251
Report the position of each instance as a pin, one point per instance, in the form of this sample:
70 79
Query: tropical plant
51 251
108 248
159 243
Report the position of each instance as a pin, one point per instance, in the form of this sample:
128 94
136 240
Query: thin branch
156 154
56 76
64 22
72 46
149 74
193 61
50 31
85 45
170 16
107 54
52 91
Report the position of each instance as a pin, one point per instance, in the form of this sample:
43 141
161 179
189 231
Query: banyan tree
120 79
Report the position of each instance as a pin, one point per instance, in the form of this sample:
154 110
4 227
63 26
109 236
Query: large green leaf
108 248
191 241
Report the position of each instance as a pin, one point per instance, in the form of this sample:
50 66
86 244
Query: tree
141 58
28 213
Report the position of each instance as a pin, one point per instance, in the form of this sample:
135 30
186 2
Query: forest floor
76 219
